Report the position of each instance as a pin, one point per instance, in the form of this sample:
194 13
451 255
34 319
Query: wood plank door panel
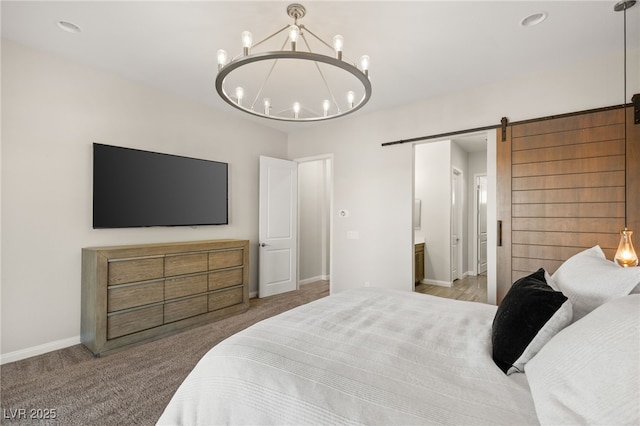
564 185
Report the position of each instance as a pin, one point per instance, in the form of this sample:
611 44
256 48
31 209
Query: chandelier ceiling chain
347 85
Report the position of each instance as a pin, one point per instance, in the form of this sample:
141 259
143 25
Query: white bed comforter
367 356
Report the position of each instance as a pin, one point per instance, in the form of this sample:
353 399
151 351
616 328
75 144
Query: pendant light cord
624 111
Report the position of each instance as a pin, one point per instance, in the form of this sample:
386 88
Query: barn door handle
499 233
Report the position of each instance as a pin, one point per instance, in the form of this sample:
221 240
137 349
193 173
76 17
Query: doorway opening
445 173
315 195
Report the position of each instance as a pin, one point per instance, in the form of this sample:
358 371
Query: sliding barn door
561 189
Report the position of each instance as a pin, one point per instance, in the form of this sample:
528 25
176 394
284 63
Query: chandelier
279 82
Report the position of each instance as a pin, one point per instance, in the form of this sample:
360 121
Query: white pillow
588 279
589 373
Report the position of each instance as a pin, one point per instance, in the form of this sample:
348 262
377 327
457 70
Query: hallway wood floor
471 288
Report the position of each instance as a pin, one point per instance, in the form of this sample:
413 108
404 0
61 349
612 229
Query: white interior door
481 226
456 228
277 226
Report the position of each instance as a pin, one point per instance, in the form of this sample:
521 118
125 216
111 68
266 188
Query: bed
379 356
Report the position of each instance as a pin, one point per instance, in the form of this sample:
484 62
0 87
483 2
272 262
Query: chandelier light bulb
294 34
325 107
247 41
267 106
222 58
296 109
239 94
338 44
351 98
364 64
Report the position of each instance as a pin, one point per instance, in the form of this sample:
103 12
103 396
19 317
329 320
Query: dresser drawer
185 264
225 298
225 259
185 308
130 296
226 278
132 270
185 286
124 323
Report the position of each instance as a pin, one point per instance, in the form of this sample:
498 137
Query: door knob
263 245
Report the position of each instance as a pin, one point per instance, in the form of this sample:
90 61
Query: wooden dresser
137 293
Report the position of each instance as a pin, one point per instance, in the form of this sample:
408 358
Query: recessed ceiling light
68 27
533 19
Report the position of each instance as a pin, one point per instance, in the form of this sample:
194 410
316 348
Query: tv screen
134 188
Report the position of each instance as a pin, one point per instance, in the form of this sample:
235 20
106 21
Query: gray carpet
130 387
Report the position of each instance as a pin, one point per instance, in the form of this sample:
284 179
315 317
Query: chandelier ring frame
309 56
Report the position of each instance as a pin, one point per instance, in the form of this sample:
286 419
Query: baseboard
313 279
253 294
38 350
438 283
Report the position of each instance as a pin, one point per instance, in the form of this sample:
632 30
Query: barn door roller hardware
504 122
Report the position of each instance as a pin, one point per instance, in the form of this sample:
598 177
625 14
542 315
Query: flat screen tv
135 188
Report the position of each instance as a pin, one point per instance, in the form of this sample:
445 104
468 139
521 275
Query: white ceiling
418 49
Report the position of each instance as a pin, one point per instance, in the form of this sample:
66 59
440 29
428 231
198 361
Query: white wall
375 183
52 111
365 178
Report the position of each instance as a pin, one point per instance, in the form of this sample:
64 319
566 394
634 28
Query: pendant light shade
626 256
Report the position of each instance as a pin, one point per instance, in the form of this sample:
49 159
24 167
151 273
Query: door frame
458 189
476 270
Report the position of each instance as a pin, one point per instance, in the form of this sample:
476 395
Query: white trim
314 279
436 282
492 218
475 218
314 158
460 193
39 350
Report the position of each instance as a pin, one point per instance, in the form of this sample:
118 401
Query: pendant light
625 256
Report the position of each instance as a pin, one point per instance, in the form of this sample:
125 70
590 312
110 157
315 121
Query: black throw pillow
530 314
